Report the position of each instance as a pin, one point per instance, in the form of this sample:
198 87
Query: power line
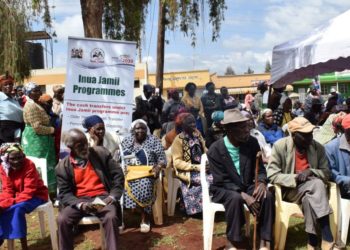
151 34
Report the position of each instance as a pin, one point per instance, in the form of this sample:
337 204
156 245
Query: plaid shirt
36 117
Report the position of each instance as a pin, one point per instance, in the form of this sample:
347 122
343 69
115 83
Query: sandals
145 228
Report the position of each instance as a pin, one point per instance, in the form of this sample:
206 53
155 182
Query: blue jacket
271 134
338 154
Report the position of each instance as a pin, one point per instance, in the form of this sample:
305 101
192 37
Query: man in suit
82 176
232 164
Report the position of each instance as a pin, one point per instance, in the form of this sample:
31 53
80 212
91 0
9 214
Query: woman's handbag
138 172
134 173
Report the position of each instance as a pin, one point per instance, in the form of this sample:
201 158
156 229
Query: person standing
227 100
38 134
58 96
194 105
11 114
211 102
83 175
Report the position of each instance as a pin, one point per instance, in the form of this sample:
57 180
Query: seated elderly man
82 176
299 165
232 164
338 154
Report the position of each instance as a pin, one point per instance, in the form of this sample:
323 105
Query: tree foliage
16 17
186 14
249 71
267 67
229 71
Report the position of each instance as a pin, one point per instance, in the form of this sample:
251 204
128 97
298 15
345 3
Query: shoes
145 228
121 228
230 246
326 245
309 247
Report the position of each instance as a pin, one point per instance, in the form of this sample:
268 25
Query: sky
248 34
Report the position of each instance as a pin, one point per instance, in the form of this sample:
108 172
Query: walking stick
258 155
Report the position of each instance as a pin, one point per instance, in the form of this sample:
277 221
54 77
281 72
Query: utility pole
160 46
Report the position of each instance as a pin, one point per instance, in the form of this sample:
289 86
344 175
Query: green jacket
281 167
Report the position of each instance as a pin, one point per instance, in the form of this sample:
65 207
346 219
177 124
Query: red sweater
87 182
21 185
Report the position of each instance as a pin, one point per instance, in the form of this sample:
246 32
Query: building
47 78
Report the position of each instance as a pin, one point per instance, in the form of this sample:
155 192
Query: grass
296 237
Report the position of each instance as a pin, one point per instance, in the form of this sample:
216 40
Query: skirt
192 195
41 146
13 223
143 190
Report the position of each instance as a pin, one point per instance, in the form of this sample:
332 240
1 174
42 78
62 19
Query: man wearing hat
299 165
232 162
338 154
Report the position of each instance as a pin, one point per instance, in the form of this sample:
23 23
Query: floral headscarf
5 150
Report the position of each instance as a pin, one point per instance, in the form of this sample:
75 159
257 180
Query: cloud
70 26
237 42
64 8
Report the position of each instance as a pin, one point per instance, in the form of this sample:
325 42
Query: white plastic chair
210 208
173 185
91 220
284 210
343 220
47 208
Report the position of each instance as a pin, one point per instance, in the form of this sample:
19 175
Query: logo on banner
124 59
97 55
76 53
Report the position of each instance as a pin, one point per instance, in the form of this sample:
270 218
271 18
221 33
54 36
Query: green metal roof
329 77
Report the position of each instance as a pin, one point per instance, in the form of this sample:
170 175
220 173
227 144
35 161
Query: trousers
313 197
70 216
234 213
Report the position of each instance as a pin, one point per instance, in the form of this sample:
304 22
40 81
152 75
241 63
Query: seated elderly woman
22 191
187 150
37 139
268 128
97 135
142 148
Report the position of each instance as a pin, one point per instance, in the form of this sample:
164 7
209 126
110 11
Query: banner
99 81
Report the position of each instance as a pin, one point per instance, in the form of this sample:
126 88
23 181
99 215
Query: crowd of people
303 146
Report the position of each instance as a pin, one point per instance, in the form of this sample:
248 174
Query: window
343 88
136 83
325 89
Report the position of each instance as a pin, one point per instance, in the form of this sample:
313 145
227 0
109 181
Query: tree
267 67
116 19
15 23
229 71
249 71
185 15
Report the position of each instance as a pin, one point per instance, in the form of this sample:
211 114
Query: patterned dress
150 152
192 193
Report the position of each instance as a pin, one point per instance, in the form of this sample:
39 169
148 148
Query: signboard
100 81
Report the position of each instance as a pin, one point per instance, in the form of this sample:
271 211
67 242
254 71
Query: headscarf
180 118
91 121
133 124
336 123
6 79
217 116
346 122
5 150
30 87
265 111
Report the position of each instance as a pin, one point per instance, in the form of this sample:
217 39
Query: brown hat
233 116
300 124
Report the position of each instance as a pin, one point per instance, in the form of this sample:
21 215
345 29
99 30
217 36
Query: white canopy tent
326 49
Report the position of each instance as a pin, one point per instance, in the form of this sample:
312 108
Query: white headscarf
133 124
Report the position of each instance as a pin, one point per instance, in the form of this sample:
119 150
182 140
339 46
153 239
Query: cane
257 160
